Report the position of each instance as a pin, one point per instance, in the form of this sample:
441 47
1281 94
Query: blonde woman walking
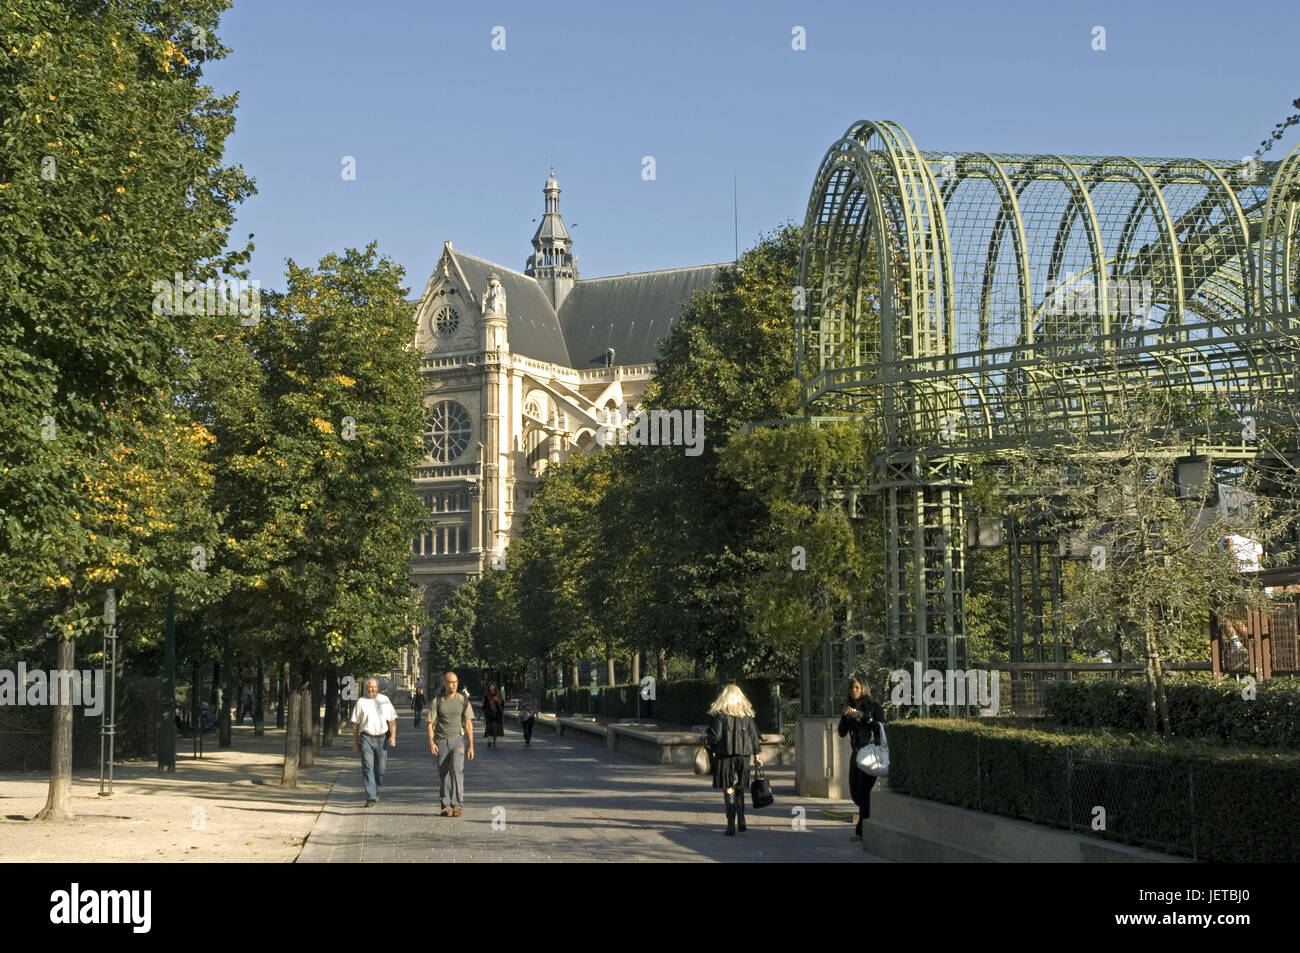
732 739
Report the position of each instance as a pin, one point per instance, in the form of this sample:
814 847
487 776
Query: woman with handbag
733 739
861 721
494 714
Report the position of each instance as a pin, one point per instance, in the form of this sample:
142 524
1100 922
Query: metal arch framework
972 302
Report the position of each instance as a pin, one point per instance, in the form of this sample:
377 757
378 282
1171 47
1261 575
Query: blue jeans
374 757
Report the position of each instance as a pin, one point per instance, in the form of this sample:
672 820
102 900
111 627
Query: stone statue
494 299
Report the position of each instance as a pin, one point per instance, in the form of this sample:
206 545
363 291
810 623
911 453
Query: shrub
1183 797
1213 711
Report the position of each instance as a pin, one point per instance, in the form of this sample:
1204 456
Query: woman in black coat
494 714
732 739
861 721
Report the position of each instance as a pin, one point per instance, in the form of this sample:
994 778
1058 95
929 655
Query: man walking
451 740
374 722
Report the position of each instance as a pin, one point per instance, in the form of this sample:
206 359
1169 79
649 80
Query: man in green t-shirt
451 741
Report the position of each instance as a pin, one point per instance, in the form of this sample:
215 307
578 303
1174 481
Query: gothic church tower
552 262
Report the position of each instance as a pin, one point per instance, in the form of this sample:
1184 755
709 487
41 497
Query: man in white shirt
374 721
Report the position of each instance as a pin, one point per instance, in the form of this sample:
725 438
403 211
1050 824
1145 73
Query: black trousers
527 725
860 785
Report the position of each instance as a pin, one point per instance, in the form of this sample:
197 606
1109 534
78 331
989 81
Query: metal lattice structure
973 302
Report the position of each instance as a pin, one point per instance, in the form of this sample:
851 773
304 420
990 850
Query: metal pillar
167 725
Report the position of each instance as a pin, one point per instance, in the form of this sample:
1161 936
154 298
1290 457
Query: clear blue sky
452 139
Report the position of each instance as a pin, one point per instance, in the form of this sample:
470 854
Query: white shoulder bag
873 759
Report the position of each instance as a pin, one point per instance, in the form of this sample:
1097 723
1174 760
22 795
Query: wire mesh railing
1117 798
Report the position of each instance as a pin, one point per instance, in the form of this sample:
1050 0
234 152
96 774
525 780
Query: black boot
731 815
740 811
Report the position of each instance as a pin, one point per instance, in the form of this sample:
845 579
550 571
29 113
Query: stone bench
582 728
649 742
542 720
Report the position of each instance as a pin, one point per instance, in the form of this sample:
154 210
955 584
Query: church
520 370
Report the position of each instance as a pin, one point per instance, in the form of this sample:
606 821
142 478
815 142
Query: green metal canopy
974 302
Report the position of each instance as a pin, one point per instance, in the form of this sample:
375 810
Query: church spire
552 262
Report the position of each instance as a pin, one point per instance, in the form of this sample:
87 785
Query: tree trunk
575 675
1150 674
1161 699
58 802
317 686
279 695
636 667
661 666
331 709
609 670
292 737
699 668
306 752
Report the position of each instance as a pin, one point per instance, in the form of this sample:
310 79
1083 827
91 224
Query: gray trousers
451 770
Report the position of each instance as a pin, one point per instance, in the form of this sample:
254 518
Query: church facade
520 370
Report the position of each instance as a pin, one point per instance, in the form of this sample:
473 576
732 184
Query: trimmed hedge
1214 711
1182 797
683 702
569 701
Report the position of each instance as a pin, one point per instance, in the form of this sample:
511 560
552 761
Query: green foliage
550 567
314 472
687 702
645 548
1214 711
111 178
682 536
451 642
1155 565
497 632
1229 806
815 559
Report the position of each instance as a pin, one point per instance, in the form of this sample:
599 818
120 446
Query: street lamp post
108 721
167 727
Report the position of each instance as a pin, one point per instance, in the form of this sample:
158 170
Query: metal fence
788 723
1122 799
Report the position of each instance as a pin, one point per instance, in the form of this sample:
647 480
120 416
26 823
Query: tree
1155 564
110 180
451 643
315 475
820 566
552 565
678 531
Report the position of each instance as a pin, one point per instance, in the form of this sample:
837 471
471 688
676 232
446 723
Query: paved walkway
563 800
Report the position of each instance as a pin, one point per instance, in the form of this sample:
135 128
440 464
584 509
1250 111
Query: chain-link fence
25 730
790 710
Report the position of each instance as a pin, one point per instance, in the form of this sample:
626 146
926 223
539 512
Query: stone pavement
563 800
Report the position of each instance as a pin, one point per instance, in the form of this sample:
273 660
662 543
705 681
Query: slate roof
630 313
534 329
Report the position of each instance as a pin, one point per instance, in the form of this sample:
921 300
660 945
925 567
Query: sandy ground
225 806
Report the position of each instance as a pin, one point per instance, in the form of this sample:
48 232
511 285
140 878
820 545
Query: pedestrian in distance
861 721
374 733
732 740
451 741
246 706
527 715
494 714
417 704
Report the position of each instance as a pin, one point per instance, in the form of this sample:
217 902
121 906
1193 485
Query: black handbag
760 790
